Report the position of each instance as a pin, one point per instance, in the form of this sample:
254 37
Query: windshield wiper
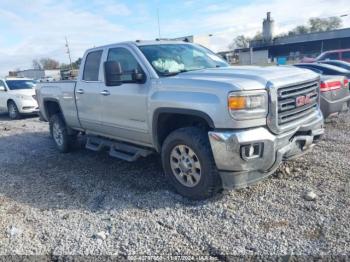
175 73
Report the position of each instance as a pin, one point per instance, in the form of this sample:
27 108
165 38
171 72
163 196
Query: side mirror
2 89
138 76
113 73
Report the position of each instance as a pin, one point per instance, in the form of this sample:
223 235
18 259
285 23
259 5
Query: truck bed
64 93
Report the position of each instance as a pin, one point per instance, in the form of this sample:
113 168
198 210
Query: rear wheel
59 133
13 110
189 165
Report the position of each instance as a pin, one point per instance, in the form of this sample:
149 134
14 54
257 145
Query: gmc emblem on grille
303 100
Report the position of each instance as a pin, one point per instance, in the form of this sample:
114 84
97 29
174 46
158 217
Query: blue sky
32 29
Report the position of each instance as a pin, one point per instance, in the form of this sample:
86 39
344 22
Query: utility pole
158 23
68 52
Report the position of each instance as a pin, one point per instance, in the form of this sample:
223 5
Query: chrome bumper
245 157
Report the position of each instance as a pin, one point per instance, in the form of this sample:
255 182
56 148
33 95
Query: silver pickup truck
215 126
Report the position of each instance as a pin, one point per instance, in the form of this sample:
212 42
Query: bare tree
240 42
49 63
36 64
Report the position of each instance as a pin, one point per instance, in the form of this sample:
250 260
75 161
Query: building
38 74
31 73
292 48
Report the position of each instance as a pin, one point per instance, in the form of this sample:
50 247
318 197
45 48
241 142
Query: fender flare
182 111
52 100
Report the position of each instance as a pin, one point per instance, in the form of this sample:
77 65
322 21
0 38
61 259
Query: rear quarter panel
62 92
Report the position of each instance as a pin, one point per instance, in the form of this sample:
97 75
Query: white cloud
38 28
44 34
247 19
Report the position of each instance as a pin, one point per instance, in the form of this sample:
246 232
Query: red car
341 54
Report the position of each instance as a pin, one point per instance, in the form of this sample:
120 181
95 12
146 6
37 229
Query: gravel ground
87 203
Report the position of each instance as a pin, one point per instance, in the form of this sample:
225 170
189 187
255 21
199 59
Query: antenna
68 52
158 23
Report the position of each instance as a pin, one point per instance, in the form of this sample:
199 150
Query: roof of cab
141 43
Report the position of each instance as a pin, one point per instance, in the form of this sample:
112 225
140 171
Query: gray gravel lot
83 203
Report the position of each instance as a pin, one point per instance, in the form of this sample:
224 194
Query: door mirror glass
138 77
113 73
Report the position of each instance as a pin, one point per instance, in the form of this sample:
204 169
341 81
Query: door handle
105 93
80 91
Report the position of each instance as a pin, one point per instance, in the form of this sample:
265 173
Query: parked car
340 54
334 87
325 69
17 97
335 95
338 63
215 126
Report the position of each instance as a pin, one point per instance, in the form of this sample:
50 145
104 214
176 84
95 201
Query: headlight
23 97
248 104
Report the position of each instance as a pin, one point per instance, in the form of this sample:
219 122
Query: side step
119 150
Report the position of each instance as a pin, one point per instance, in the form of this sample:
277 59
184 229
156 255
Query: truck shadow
33 173
4 116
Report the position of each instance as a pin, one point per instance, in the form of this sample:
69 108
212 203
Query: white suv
17 96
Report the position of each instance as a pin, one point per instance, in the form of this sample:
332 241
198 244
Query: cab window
346 55
92 66
127 62
331 56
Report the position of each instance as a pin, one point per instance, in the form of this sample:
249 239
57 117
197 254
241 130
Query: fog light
251 151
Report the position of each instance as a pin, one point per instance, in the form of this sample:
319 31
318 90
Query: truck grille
297 101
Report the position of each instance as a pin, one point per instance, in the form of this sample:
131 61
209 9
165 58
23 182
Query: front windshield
171 59
20 84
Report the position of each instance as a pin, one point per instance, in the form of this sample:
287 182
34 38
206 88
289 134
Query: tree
315 25
324 24
49 63
36 64
240 42
75 65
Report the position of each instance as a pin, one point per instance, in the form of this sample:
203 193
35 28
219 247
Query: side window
2 86
346 55
127 62
331 56
92 66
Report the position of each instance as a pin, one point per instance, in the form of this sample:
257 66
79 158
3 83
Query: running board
119 150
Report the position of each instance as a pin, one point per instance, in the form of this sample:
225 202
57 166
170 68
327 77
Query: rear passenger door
3 96
87 91
124 113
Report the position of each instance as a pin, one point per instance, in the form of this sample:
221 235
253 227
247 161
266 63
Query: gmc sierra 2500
215 126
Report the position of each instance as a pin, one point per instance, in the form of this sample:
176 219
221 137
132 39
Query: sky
34 29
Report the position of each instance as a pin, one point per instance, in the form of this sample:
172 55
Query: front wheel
59 133
13 111
189 164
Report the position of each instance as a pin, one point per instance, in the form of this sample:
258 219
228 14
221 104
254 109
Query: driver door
124 114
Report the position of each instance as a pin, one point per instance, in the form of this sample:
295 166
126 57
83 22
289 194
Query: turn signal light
237 102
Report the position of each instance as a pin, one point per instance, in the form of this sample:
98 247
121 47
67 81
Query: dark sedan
338 63
334 87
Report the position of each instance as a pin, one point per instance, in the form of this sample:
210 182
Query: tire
183 174
13 110
59 133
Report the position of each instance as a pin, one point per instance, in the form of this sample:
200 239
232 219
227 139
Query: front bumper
245 157
28 107
330 107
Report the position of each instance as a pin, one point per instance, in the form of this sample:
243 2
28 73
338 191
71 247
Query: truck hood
278 75
25 92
